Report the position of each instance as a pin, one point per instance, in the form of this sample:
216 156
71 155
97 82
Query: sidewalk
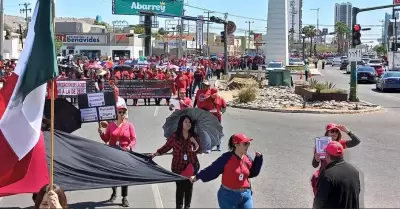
314 71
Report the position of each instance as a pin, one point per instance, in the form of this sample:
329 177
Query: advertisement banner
257 37
157 7
139 89
199 31
173 44
61 38
86 39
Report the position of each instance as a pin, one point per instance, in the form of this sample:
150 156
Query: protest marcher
339 184
120 133
198 78
52 199
333 131
185 146
201 95
189 75
236 168
182 81
184 102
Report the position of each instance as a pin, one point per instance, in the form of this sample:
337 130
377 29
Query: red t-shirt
215 106
182 81
201 96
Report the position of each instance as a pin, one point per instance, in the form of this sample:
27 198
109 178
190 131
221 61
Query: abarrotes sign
157 7
86 39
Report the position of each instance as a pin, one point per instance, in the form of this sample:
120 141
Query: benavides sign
157 7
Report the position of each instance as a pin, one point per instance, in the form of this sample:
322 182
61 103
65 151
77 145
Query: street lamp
303 36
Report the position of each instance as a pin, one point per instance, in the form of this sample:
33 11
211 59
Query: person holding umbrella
185 145
236 168
120 133
184 102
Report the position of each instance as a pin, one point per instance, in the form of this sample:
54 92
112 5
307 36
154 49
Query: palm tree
341 30
310 32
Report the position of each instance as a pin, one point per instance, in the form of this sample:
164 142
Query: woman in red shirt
120 133
334 131
185 146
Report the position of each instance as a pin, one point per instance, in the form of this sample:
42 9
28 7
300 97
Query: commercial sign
199 31
135 7
86 39
121 39
257 37
171 44
230 39
60 37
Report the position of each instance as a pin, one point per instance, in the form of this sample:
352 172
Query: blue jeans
228 199
196 84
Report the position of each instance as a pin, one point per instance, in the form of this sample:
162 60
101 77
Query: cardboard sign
96 107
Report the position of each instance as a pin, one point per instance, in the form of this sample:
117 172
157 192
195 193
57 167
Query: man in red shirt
216 105
185 102
201 95
181 81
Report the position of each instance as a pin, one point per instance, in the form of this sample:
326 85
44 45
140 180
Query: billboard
157 7
199 30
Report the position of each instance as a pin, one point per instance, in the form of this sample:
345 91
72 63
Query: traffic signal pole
353 76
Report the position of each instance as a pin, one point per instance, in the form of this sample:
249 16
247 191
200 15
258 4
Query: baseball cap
241 138
122 108
334 148
331 126
206 83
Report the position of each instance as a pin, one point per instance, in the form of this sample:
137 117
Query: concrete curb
310 111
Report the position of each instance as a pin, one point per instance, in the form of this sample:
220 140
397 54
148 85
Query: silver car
336 61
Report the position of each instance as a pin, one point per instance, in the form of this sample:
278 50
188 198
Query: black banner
138 89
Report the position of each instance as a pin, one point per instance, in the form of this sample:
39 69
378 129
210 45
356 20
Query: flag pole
52 109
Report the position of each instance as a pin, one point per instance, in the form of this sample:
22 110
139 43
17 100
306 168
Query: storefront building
95 45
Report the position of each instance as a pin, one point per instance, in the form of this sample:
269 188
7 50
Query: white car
275 65
375 62
296 61
336 61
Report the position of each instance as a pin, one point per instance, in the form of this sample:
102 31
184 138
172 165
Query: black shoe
125 202
187 207
179 207
112 198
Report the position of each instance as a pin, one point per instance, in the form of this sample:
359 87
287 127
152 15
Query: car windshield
375 61
392 74
274 65
360 62
366 69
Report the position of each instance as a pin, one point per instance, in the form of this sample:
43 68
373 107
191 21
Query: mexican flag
23 166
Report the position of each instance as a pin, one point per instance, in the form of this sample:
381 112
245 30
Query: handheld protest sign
320 145
96 107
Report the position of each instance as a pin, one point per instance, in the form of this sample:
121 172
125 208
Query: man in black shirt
339 184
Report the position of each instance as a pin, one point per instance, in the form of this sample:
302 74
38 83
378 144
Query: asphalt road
287 142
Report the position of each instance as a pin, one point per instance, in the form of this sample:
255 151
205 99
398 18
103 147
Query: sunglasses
122 112
334 131
246 144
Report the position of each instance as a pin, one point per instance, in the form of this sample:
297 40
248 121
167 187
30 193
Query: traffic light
356 35
216 19
222 36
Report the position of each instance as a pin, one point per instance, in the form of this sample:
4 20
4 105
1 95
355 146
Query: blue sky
257 11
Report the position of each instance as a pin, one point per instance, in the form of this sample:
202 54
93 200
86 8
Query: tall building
343 13
294 17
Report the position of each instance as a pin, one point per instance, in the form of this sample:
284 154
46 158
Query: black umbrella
67 117
207 126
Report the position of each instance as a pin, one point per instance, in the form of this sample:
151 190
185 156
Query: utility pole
249 22
317 33
208 23
1 29
26 10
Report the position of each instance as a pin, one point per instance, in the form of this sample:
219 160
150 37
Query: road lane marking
155 112
157 196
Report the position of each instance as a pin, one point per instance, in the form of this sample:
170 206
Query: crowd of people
335 184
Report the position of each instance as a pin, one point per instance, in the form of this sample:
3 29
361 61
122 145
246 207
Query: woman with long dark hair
335 132
236 168
185 145
48 199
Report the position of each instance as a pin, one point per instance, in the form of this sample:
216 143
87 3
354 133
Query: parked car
366 74
329 60
359 64
374 62
344 64
336 61
366 60
296 61
389 80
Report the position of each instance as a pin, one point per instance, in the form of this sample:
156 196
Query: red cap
241 138
122 108
182 90
334 148
331 126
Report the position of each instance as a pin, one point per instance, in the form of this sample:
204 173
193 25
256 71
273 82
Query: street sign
354 55
141 36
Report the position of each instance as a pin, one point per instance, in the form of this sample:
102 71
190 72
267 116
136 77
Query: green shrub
322 87
247 94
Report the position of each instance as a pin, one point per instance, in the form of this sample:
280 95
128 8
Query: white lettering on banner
90 39
199 31
71 88
151 7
